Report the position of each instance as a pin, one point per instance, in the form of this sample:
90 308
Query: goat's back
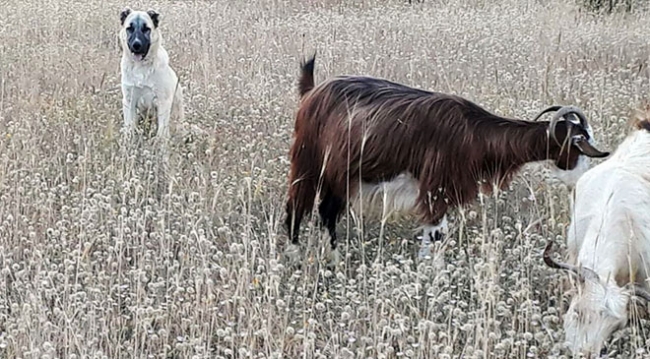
612 207
398 127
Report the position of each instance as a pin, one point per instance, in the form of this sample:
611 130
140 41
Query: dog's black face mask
138 38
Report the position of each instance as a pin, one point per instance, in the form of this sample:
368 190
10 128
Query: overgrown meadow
104 256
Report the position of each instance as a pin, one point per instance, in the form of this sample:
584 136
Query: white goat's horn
582 273
640 292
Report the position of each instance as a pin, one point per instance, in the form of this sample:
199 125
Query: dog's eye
129 29
146 29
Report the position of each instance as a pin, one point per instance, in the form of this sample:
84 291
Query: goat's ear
155 17
124 14
587 148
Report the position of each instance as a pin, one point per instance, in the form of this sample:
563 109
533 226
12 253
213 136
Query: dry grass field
101 256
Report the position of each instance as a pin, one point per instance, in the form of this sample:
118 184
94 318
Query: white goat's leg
432 233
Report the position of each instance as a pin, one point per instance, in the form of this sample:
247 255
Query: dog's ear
124 14
155 17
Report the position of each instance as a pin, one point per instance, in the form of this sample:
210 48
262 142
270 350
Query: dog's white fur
150 86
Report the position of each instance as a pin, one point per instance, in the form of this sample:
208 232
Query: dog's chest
145 98
139 85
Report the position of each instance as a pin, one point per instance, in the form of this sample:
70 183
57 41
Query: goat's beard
571 177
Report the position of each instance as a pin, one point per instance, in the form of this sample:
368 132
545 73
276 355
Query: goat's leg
301 200
435 232
330 209
292 221
433 209
432 233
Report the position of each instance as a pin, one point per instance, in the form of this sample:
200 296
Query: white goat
609 243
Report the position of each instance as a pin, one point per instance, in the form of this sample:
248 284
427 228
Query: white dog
150 87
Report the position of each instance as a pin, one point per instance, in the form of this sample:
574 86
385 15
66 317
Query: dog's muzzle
138 49
138 44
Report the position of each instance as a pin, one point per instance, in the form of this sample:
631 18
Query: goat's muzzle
586 148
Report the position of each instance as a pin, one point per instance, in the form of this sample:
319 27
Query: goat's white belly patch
400 195
397 195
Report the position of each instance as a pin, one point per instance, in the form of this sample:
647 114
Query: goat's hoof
427 243
437 236
334 259
425 251
292 253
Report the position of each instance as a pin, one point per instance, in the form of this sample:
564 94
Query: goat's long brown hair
351 129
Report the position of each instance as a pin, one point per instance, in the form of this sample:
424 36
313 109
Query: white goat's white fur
609 234
149 86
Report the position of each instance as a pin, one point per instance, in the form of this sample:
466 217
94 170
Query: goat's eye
603 351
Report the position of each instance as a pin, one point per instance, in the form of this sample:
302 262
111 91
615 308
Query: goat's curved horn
582 273
640 292
561 113
580 142
573 110
547 110
553 263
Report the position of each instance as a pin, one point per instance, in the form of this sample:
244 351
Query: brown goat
439 149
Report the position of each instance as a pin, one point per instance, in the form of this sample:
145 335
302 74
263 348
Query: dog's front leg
129 112
164 113
162 134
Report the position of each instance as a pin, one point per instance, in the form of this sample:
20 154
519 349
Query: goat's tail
306 82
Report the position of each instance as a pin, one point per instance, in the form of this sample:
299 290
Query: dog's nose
137 45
